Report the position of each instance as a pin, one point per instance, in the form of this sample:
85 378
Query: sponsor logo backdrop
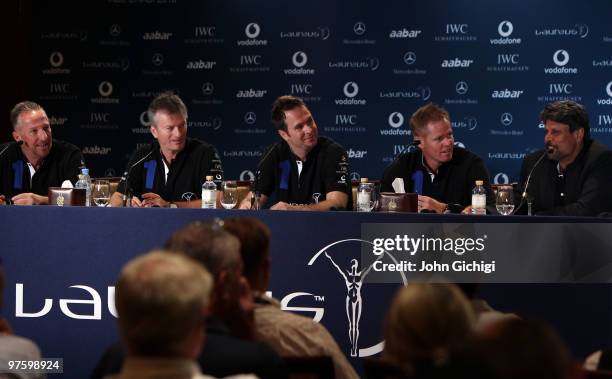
362 68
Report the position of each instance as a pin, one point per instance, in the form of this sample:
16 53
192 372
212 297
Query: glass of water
504 200
230 194
100 192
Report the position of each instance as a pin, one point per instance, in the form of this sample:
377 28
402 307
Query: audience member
289 334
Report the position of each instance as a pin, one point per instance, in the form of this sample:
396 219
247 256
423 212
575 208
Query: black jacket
583 189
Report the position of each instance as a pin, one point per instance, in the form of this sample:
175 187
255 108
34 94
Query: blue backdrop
362 66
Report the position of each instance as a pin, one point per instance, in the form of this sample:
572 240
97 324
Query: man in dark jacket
571 175
441 173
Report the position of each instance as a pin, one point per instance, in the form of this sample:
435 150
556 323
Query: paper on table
398 185
67 184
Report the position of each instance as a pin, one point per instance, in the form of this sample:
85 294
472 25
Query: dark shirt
582 190
187 172
63 163
222 355
326 169
453 184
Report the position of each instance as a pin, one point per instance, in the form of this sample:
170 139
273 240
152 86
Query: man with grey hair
170 171
34 161
162 301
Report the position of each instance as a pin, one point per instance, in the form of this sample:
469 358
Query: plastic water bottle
365 194
85 183
479 199
209 194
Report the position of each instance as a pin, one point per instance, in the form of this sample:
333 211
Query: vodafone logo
252 30
351 89
396 120
105 89
505 28
56 59
299 59
561 57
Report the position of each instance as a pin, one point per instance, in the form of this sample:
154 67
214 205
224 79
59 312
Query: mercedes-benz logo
373 63
208 88
506 119
114 30
299 59
461 88
501 178
325 33
609 89
252 30
396 119
505 28
105 89
144 119
359 28
409 58
56 59
355 176
561 61
351 89
250 118
158 59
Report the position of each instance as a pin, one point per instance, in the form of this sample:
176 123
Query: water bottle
479 199
85 183
209 193
365 194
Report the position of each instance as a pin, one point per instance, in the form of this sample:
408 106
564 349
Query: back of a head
254 238
209 244
161 299
425 322
527 349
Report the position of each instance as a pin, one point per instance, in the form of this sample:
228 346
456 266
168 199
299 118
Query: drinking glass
230 194
100 192
504 200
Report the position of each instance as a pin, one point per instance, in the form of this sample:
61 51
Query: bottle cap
85 171
363 180
209 177
479 182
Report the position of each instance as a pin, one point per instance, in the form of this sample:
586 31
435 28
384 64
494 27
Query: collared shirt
291 335
63 163
452 184
185 176
326 169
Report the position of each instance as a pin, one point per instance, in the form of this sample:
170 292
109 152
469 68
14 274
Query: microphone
126 176
416 142
524 195
18 143
257 193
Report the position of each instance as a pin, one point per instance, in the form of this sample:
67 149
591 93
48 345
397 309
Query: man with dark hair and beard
571 175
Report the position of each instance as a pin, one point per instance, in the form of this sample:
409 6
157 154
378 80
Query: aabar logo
404 33
456 63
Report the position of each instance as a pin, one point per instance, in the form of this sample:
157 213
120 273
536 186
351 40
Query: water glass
100 192
504 200
230 194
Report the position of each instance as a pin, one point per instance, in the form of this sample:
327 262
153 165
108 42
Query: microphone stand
255 199
525 195
126 177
